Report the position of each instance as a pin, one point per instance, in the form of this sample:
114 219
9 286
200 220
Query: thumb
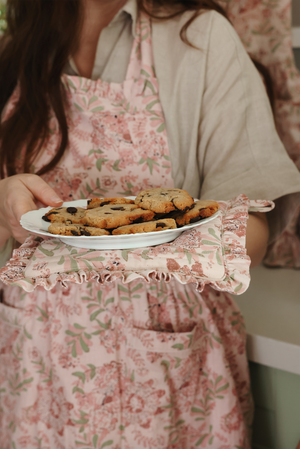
41 190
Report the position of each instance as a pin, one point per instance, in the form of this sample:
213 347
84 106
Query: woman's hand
18 195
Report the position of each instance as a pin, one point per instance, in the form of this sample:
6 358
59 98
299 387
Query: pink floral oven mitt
213 253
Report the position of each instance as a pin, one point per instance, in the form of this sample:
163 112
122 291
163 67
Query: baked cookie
75 230
99 202
198 211
150 226
113 216
68 215
163 201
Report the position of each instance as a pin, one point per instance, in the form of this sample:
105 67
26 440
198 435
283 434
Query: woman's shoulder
208 30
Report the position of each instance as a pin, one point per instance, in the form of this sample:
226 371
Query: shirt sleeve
239 148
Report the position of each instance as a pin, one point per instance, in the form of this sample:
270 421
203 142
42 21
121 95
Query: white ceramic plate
32 221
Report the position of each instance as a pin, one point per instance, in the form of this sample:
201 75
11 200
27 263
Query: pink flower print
51 408
141 402
108 182
127 158
232 420
78 340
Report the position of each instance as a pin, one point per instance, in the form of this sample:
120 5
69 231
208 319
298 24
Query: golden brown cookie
163 201
75 230
68 215
149 226
200 210
113 216
99 202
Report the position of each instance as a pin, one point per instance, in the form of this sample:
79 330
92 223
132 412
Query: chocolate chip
51 213
84 232
104 203
75 232
89 201
137 220
161 225
71 210
117 208
45 218
195 219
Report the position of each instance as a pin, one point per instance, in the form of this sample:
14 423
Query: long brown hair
40 37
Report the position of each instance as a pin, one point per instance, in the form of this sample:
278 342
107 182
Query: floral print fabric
265 29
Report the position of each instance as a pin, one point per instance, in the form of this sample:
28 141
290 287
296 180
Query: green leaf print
115 165
201 439
28 335
107 443
80 375
143 72
238 288
78 107
150 105
125 254
218 258
77 389
98 109
161 128
208 242
91 100
150 163
95 439
77 326
61 261
99 162
178 346
213 233
150 85
93 370
137 287
46 252
109 300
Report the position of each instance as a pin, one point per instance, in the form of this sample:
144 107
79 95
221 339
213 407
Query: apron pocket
164 369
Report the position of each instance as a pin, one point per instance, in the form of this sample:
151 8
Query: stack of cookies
152 210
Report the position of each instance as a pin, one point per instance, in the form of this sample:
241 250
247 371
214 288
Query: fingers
18 195
41 190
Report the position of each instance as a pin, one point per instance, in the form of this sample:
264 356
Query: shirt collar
131 9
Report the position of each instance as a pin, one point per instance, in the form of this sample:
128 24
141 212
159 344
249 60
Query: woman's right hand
18 195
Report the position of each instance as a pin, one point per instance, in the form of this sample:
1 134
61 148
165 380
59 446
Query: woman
88 89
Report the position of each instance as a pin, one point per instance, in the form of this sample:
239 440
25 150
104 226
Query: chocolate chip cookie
163 201
150 226
68 215
75 230
113 216
198 211
99 202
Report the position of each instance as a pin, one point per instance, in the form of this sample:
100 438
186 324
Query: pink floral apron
141 365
